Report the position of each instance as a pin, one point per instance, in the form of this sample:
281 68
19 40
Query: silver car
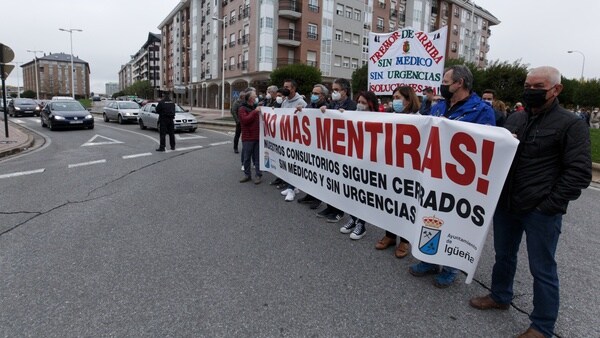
148 118
122 111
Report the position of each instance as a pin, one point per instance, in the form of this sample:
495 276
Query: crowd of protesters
546 174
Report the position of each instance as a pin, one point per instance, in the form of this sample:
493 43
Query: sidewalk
19 139
213 117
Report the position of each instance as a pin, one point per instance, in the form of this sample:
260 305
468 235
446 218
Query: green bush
86 103
595 138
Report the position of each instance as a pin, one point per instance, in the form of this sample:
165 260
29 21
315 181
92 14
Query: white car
122 111
148 118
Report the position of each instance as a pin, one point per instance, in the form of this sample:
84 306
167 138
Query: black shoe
160 149
334 217
236 151
306 199
324 213
173 148
276 181
315 204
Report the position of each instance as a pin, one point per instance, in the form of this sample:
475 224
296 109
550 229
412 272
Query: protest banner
430 180
406 57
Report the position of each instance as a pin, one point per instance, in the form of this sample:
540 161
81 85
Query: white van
54 98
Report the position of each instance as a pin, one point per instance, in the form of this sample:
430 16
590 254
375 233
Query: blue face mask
398 106
314 98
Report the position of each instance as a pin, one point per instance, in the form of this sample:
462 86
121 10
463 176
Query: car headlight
37 108
89 116
58 117
126 114
17 108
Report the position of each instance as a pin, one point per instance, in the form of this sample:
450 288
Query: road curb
19 147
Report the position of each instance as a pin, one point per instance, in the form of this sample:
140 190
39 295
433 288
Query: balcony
282 62
246 12
244 65
289 37
290 9
311 63
231 43
231 67
313 8
312 35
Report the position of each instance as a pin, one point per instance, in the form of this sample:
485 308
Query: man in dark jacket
166 113
551 167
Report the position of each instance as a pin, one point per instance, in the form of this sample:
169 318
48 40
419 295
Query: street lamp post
582 64
37 87
18 80
223 68
70 31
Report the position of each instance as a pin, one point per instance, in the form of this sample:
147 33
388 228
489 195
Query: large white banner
406 57
430 180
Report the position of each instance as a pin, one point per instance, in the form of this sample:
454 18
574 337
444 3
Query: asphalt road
114 239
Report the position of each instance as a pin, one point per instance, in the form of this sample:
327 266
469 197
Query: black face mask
534 98
445 91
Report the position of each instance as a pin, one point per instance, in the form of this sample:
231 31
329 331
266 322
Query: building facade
111 88
54 76
144 65
209 45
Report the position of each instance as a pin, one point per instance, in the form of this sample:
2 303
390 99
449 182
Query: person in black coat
166 114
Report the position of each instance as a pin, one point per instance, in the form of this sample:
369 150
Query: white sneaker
242 168
285 191
290 195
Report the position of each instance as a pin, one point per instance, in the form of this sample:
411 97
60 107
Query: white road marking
136 155
86 163
220 143
23 173
18 121
188 148
92 143
129 131
188 137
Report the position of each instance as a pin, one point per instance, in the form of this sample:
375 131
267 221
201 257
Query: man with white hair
551 167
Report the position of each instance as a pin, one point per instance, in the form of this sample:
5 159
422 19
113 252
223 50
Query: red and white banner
406 57
431 180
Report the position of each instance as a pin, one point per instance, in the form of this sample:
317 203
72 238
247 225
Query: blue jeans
250 151
542 232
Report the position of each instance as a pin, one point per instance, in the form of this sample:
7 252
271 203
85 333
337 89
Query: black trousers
167 126
236 137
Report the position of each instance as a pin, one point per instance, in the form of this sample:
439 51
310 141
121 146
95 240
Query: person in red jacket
250 123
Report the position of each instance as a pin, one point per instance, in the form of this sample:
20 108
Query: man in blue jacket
461 104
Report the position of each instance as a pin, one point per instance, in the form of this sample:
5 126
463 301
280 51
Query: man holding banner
552 165
459 104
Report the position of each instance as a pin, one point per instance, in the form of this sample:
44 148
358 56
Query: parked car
66 113
122 111
23 106
183 119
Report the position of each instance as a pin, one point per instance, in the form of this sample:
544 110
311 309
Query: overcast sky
537 32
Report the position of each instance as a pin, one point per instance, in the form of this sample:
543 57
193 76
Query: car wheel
120 119
51 125
142 126
91 127
11 114
106 119
158 126
193 130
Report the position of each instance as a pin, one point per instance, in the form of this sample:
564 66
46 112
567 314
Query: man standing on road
166 113
460 104
551 167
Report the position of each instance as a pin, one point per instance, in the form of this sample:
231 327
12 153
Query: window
339 9
468 15
379 23
354 63
475 19
346 62
312 32
455 29
381 3
313 5
232 63
338 35
457 12
467 33
311 58
269 22
453 48
337 60
347 37
357 15
355 39
349 12
232 16
232 40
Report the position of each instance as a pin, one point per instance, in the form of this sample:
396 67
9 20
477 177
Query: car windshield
178 109
67 106
128 105
24 101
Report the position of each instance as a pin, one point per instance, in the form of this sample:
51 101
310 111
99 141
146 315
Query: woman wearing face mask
405 102
365 101
250 122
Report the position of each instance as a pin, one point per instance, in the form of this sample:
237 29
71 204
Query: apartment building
111 88
54 76
211 45
126 75
144 65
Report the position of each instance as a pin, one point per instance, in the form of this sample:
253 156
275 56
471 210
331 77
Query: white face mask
256 100
361 107
279 99
268 97
490 101
336 96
